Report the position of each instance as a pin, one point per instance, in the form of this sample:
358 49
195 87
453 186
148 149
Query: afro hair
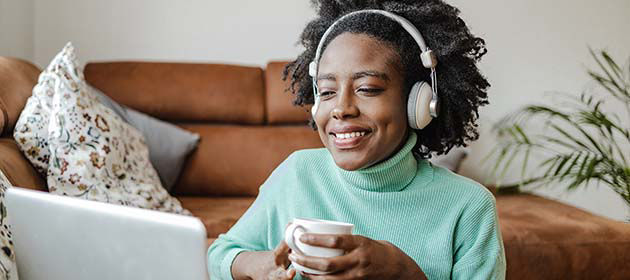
461 88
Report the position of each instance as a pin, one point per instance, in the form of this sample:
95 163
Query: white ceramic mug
300 226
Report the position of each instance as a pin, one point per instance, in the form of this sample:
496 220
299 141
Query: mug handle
289 236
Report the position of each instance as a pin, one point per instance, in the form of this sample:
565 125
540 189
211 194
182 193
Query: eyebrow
356 76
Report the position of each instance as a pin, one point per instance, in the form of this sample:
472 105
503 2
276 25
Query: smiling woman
372 79
359 118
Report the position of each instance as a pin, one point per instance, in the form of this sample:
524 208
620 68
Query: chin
348 163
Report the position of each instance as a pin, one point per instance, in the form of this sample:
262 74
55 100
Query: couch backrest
184 92
246 119
279 103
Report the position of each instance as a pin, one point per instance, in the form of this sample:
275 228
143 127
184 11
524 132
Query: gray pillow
168 144
452 160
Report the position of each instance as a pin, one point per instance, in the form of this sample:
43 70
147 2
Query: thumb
290 273
281 255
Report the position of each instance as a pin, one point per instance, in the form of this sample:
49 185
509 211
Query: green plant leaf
580 140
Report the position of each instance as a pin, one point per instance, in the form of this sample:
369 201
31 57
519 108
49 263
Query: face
361 117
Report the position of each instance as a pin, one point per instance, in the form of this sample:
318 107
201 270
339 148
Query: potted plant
575 141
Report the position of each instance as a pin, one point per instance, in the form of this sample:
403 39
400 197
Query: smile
349 135
349 140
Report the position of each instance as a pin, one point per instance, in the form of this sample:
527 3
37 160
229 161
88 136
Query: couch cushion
17 78
545 239
218 214
279 101
234 160
184 91
17 168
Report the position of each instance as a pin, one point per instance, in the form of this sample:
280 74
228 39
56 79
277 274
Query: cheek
320 122
391 115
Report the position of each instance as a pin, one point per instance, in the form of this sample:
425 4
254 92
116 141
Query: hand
364 259
281 261
263 265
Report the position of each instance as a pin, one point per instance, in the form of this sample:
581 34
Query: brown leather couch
248 126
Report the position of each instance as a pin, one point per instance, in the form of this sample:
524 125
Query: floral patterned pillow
31 128
92 153
8 268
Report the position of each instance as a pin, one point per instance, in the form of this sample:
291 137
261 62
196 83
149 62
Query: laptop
58 237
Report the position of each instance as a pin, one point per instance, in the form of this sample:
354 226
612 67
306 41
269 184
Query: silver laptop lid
58 237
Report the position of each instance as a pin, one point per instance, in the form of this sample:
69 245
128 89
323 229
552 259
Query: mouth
349 139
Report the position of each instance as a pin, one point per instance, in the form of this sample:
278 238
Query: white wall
244 31
535 46
16 28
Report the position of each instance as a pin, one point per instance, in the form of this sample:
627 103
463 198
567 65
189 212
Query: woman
412 220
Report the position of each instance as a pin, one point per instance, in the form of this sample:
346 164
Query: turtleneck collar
391 175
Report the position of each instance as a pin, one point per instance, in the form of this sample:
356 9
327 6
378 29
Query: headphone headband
427 56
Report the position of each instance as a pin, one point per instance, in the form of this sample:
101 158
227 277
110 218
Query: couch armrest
17 168
17 79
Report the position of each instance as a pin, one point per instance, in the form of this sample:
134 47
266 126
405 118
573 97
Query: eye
326 94
370 91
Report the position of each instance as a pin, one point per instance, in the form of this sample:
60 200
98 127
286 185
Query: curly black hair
461 88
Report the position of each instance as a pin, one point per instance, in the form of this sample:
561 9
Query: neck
393 174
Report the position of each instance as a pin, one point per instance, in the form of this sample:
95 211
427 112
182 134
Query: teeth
349 135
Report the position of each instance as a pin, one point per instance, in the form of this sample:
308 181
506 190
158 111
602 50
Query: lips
349 137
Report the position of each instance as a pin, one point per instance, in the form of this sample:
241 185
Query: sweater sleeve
251 232
248 234
479 252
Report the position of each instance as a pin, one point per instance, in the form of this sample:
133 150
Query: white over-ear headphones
422 104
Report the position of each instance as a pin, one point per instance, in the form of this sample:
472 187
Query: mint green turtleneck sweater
445 222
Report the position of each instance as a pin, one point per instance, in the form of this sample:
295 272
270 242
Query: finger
347 274
332 264
280 254
291 273
337 241
281 274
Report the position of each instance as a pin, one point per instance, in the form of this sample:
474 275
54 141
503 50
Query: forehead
351 53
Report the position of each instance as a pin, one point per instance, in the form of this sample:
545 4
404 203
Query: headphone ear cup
312 69
315 100
418 112
314 108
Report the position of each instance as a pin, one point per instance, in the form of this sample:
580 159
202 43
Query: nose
346 106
